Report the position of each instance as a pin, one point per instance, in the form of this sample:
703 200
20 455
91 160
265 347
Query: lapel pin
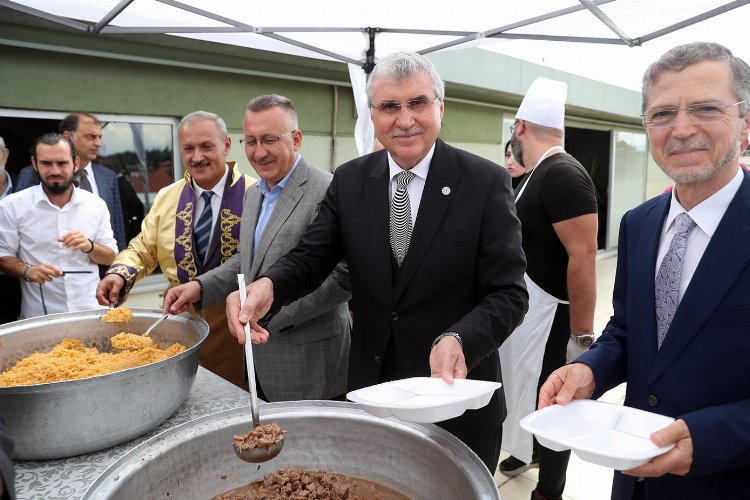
446 190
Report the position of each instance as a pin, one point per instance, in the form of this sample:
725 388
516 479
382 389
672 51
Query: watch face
586 341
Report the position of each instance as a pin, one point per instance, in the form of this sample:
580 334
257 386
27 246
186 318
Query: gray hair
197 116
402 65
268 101
682 56
2 142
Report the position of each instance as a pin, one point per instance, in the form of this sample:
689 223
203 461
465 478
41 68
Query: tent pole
369 64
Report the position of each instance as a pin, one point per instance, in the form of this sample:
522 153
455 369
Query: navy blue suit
106 183
701 374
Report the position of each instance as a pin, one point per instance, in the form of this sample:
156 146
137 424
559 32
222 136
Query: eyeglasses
513 127
702 113
416 105
266 140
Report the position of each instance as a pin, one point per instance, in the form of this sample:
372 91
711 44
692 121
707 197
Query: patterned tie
401 217
84 178
668 277
203 226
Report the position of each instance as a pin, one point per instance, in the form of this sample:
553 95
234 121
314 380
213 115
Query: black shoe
511 466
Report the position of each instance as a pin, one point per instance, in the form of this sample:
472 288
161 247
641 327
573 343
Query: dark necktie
667 285
84 177
203 227
401 217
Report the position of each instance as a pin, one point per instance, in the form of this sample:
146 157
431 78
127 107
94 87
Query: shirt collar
263 185
420 169
708 213
9 188
217 189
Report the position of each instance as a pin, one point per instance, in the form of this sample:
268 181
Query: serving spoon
257 454
150 328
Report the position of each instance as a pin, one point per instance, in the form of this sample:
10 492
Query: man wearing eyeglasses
434 252
308 354
679 333
193 226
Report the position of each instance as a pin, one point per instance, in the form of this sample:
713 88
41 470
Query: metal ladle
150 328
256 455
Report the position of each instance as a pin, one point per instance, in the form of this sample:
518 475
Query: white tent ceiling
606 40
596 38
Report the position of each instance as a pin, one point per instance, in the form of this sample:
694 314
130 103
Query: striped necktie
401 217
667 286
203 226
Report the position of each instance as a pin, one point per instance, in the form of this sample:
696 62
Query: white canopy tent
607 40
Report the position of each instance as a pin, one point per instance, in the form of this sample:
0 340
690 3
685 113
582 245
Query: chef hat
544 103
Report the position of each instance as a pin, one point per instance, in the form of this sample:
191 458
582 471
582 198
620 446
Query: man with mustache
679 333
307 358
192 227
55 227
433 245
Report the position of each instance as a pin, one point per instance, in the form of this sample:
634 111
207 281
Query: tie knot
206 195
683 224
403 178
83 173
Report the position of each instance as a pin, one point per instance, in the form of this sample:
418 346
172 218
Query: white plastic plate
424 399
606 434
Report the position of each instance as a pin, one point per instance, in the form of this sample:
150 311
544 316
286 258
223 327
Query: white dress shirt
30 226
415 188
707 216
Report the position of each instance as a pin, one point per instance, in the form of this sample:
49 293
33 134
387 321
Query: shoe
535 495
511 466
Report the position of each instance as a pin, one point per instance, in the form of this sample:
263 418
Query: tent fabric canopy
607 40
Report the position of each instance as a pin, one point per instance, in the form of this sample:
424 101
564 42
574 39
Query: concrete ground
585 481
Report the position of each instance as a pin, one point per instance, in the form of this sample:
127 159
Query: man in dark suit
437 284
85 131
10 287
679 333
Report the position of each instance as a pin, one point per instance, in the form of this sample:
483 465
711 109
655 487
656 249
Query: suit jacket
106 183
463 271
308 351
700 374
6 465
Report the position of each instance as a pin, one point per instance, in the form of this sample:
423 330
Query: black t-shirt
558 189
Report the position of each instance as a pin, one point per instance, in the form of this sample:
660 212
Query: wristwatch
584 340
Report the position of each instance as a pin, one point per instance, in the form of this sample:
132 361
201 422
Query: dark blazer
308 352
6 465
463 271
702 370
106 183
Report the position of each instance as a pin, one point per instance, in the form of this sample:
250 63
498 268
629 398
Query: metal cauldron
73 417
196 460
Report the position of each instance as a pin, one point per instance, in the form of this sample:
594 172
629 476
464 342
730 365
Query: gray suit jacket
307 354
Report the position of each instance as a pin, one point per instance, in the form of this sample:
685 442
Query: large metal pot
73 417
196 460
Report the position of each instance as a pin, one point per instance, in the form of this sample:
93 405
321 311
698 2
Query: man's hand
447 360
42 273
258 303
76 240
108 291
574 381
678 460
179 298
